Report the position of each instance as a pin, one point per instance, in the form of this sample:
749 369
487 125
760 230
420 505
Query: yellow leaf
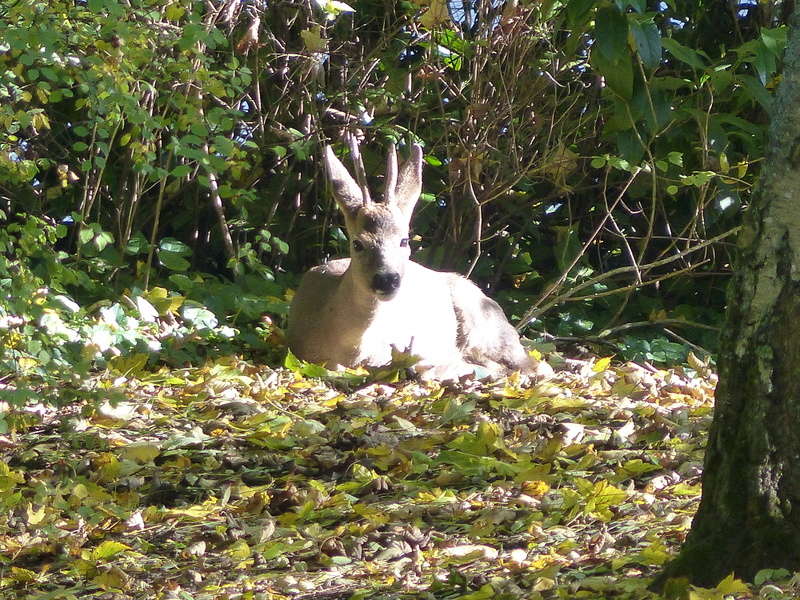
741 168
79 491
334 7
107 467
197 511
129 365
142 453
685 489
113 579
108 549
34 516
436 15
239 550
654 554
601 365
487 592
22 575
8 478
25 363
490 434
313 40
162 301
535 488
731 586
175 12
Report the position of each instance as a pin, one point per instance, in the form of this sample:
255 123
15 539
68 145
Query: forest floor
236 480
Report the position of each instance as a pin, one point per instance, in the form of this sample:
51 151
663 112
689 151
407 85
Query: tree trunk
749 515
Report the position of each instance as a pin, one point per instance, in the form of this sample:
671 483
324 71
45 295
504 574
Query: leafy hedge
586 160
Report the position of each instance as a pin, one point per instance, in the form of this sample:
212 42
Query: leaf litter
235 480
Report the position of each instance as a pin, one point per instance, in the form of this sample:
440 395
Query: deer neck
358 301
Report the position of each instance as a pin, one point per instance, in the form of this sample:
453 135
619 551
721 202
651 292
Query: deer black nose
386 283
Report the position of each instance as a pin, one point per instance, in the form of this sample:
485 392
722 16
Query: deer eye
404 242
357 245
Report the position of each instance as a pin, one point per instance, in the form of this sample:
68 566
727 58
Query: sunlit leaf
108 549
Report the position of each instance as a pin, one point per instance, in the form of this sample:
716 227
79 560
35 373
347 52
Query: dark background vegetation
587 162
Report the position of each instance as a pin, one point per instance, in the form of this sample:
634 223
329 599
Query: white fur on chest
419 318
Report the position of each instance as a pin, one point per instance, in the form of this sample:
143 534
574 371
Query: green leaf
182 282
200 317
618 74
137 244
181 171
173 261
757 91
648 42
108 549
175 12
639 6
774 40
765 64
280 245
683 53
578 12
85 235
103 239
175 246
302 367
611 34
765 575
638 467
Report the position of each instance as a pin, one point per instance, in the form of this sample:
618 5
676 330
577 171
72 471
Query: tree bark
749 515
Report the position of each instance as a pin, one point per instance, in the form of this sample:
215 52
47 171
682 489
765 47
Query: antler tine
358 166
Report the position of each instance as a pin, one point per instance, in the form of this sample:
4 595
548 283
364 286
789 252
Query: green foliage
48 339
177 146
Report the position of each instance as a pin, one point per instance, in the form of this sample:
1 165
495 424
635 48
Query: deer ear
345 189
409 181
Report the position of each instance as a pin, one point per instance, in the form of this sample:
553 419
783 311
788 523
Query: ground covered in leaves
235 480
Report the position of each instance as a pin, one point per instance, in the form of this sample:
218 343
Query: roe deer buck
353 311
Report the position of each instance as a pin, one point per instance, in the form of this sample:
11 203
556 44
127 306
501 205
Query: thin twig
478 219
538 308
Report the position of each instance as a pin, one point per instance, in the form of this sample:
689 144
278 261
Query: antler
358 166
391 175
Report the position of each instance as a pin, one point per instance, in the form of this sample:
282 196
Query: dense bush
586 160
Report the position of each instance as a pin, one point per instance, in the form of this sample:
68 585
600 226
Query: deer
356 311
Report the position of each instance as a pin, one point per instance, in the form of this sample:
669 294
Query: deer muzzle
386 284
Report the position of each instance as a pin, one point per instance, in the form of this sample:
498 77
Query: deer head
378 230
